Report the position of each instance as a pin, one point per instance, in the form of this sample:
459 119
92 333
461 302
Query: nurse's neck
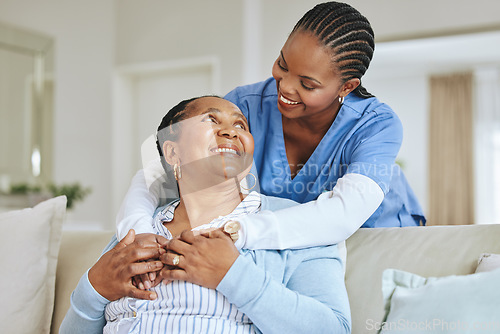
317 124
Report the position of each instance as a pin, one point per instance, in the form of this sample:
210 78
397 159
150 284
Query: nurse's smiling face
307 80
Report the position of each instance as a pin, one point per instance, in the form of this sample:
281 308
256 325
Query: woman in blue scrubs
320 139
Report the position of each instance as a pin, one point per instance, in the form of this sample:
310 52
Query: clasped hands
139 262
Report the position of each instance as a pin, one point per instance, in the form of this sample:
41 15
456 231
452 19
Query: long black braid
347 33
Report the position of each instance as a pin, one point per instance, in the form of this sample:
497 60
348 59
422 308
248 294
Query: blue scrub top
364 138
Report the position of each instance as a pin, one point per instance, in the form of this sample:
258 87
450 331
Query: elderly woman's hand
112 275
200 259
147 281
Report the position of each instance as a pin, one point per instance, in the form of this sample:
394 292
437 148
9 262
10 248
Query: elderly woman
206 143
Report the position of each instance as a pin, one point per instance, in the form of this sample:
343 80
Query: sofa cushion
29 244
451 304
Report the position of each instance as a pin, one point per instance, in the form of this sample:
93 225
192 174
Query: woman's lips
287 101
233 149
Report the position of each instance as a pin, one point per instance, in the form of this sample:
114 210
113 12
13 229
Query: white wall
393 19
407 95
158 30
278 19
84 49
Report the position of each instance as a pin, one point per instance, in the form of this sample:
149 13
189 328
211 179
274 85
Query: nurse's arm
330 219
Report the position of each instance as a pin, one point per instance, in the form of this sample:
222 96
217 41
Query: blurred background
84 83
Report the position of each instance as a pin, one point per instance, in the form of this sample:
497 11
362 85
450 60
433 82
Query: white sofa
426 251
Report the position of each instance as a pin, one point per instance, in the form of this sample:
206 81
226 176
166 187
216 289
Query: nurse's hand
199 259
112 274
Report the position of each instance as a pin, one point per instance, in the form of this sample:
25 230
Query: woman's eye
306 86
240 126
210 118
281 66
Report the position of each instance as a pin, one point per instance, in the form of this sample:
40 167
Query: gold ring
176 260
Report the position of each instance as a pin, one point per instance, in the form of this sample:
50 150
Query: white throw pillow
466 304
488 262
29 246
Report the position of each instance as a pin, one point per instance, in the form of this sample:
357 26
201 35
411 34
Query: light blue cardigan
288 291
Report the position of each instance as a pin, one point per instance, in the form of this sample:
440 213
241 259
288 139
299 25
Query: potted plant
26 195
74 192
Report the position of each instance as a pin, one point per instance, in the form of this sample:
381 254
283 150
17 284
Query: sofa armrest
79 251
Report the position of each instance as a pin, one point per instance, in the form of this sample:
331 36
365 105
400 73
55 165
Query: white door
155 94
142 97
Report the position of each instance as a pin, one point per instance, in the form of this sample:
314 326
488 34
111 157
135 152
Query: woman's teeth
225 150
287 101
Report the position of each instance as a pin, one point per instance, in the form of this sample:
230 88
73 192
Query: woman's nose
227 131
286 85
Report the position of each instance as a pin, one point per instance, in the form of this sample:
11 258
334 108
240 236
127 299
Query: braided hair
347 33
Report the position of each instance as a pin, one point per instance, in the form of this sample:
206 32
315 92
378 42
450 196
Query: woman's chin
233 166
233 172
216 170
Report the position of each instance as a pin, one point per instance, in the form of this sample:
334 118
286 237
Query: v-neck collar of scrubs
278 119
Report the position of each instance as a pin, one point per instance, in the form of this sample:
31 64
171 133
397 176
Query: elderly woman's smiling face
214 140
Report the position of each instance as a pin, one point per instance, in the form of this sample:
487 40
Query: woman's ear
349 86
170 150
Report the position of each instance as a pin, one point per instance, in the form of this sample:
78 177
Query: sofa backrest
431 251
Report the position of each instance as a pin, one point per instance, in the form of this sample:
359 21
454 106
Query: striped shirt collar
251 204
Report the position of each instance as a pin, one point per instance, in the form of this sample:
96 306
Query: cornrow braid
347 33
316 14
314 21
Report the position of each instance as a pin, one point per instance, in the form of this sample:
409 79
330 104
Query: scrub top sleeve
139 205
375 147
328 220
